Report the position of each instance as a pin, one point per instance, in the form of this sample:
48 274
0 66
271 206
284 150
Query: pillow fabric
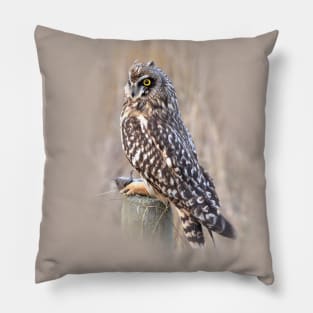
174 218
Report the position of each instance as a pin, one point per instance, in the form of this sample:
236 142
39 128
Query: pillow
135 133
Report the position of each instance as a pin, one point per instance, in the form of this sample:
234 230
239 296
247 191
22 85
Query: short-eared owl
159 146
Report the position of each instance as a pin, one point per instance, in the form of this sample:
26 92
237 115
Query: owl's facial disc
140 88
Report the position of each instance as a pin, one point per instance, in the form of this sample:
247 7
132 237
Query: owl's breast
136 142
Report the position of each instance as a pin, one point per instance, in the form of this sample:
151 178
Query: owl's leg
136 187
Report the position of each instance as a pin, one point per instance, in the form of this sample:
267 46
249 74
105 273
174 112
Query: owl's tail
214 221
192 229
220 225
192 226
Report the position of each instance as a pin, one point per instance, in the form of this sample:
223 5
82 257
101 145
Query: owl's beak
132 91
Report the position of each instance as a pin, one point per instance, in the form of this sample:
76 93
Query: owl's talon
124 191
135 188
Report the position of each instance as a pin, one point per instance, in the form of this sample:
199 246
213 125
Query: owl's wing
184 130
163 155
164 158
187 135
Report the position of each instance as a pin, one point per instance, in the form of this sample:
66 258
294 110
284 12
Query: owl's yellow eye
147 82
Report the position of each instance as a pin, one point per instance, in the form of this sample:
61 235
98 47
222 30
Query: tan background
221 86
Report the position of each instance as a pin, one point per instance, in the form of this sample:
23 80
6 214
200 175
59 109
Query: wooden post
146 217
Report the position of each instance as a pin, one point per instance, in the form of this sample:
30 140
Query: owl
159 146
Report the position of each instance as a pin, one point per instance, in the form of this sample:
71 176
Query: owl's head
146 81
